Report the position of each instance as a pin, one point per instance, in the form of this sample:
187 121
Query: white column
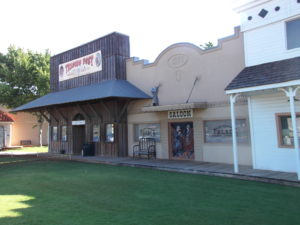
291 93
233 128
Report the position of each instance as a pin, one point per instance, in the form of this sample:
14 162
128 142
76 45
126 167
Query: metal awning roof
106 89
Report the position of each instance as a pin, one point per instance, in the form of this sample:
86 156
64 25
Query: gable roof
106 89
267 73
5 117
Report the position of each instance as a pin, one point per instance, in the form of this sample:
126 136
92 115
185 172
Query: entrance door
181 138
78 139
1 137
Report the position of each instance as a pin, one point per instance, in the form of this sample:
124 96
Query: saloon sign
180 114
81 66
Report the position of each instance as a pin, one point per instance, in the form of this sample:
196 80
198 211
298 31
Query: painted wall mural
182 140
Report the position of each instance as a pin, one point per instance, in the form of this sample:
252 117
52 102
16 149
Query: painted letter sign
180 114
81 66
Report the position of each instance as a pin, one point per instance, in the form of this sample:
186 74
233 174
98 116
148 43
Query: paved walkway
196 167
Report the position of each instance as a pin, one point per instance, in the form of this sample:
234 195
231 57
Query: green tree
24 76
207 45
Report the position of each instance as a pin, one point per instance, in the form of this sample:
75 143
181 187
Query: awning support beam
291 94
83 112
44 116
107 110
233 128
62 115
123 110
52 115
96 112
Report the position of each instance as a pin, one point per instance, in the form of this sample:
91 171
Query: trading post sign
81 66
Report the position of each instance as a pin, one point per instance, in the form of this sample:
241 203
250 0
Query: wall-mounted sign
78 122
180 114
78 67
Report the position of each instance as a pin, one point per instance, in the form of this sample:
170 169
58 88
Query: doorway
181 138
1 137
78 139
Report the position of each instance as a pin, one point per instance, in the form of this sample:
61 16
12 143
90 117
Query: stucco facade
22 128
187 74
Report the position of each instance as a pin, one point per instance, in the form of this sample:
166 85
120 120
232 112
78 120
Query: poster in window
54 133
110 130
149 130
96 133
64 133
182 140
219 131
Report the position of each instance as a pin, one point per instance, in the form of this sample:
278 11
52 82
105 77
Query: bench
146 147
25 142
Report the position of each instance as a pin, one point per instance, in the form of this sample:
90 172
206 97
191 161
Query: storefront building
271 82
89 97
190 118
20 130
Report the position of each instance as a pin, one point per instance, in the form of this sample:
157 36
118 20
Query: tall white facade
269 28
264 25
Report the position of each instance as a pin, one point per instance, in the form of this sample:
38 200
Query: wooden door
181 140
1 137
78 139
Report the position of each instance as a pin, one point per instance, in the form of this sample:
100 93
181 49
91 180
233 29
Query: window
285 129
96 133
293 34
54 133
219 131
64 133
110 132
147 130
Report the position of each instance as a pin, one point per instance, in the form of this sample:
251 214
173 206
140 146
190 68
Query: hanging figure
154 92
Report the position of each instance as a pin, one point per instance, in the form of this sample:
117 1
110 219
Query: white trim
252 140
243 5
264 87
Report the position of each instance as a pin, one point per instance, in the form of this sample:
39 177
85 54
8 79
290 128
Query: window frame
279 129
286 34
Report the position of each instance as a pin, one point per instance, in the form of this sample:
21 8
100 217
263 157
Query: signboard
78 122
81 66
180 114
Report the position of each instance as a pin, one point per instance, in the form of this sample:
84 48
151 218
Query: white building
271 81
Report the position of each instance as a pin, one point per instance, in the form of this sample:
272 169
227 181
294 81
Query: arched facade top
200 50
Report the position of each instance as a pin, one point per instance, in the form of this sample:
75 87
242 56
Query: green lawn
28 150
74 193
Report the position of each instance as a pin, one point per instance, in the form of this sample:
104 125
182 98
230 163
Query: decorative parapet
145 63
